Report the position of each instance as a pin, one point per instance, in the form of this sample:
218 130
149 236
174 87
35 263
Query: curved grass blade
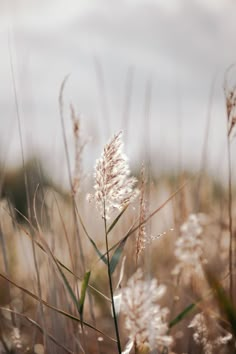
83 292
117 219
118 252
101 256
99 253
89 285
182 314
68 287
117 255
191 306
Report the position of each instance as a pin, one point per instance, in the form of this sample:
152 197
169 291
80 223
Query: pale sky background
114 50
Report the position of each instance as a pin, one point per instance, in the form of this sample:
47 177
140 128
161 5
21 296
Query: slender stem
110 284
230 222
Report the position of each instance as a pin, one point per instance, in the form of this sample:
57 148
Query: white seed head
114 189
208 333
189 247
145 320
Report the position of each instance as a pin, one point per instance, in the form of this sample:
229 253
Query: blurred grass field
54 229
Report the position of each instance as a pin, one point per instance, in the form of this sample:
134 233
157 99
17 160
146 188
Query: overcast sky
117 53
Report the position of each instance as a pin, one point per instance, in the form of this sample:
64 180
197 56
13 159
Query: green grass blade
101 256
83 292
76 276
117 255
188 309
181 315
116 219
68 287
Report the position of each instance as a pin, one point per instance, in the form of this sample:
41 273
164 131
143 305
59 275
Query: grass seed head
208 333
145 320
114 188
189 248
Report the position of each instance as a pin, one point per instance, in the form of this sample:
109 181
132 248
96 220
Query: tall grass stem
110 284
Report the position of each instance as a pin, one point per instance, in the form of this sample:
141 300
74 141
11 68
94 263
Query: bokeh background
154 68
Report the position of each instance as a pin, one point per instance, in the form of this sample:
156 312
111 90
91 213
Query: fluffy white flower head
189 246
114 188
208 333
145 320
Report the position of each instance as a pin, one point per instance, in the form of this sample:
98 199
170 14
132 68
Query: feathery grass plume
145 320
189 249
143 238
142 234
209 333
114 189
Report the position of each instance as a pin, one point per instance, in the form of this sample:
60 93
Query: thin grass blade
68 287
117 219
101 256
83 292
182 315
117 255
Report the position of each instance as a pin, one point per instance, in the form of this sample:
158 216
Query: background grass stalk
231 287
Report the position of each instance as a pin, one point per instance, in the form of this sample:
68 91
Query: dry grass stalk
230 97
144 238
79 148
142 234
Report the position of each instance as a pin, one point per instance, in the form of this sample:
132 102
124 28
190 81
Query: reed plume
114 188
145 319
189 248
208 333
